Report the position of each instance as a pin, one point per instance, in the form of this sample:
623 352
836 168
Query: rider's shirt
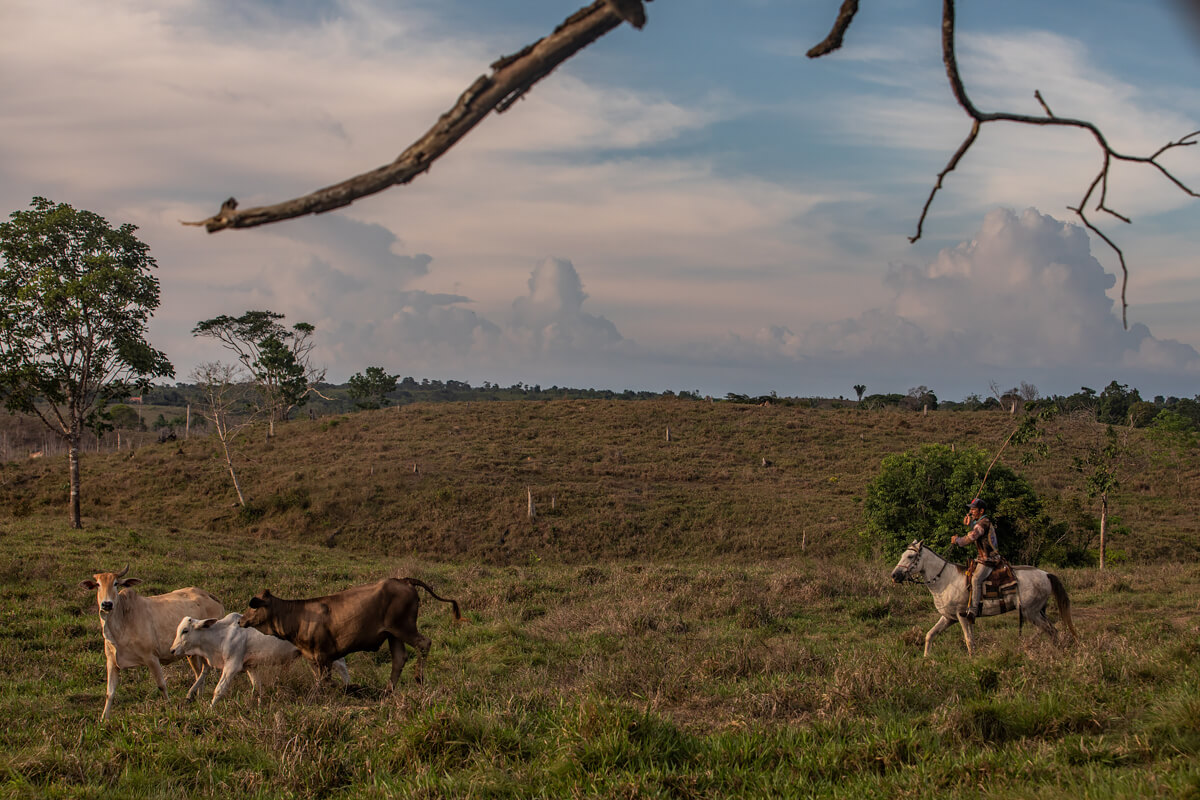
984 537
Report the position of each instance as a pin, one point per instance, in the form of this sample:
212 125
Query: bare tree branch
979 118
834 40
512 76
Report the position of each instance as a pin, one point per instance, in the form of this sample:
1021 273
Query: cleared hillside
660 479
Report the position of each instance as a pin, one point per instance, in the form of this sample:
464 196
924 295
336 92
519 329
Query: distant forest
1116 404
164 412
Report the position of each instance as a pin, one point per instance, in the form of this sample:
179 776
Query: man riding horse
983 536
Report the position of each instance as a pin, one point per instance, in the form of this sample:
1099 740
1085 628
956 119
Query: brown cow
138 631
325 629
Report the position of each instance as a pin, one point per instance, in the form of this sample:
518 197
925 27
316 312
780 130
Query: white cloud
1025 294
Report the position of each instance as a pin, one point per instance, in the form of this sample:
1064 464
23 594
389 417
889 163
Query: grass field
794 677
609 479
688 616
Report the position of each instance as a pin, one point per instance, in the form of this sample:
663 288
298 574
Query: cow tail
1064 602
435 595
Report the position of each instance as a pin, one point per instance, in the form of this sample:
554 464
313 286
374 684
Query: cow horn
121 574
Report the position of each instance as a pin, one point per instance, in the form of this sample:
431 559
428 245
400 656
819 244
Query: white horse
948 583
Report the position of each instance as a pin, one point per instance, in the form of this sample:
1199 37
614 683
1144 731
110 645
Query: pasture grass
451 481
701 678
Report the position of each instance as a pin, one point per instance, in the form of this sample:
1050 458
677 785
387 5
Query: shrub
924 495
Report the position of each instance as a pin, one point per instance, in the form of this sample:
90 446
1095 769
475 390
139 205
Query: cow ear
267 593
256 602
90 585
208 623
130 582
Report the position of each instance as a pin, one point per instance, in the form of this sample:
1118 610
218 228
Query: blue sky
693 206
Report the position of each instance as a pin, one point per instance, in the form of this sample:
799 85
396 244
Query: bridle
916 547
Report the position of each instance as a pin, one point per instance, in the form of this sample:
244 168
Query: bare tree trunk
229 463
73 469
1103 526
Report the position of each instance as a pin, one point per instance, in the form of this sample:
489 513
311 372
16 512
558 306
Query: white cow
232 649
137 630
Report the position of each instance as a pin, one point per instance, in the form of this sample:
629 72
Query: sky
695 206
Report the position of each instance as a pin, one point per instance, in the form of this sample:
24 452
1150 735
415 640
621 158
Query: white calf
232 649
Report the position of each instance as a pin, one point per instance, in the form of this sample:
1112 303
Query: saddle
1001 582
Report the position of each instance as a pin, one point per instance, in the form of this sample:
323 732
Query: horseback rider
983 536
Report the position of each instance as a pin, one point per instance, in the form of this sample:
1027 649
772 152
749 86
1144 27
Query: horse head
909 563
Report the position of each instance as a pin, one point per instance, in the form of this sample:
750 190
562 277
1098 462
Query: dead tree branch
512 76
1097 189
834 40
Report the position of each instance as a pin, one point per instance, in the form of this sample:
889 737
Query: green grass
693 678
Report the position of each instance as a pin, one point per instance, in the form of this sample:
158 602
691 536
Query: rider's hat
977 503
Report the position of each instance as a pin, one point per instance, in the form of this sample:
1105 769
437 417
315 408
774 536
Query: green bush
924 495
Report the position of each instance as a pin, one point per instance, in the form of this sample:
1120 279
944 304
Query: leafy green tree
1115 403
76 296
859 388
924 495
278 358
370 390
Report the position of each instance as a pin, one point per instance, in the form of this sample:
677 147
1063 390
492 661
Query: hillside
450 481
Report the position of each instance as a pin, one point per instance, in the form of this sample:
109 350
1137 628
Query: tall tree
76 296
278 358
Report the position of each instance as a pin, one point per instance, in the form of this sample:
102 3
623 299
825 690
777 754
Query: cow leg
201 673
111 690
399 657
230 671
937 628
156 672
256 683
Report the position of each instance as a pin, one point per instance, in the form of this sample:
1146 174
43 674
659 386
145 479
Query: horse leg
937 628
1043 623
968 630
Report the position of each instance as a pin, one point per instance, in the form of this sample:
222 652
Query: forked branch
1097 189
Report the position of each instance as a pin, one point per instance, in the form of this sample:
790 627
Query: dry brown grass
450 480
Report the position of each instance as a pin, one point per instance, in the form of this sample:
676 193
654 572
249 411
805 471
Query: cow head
107 585
258 615
184 634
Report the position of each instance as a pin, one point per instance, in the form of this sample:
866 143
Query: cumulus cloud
1024 296
551 318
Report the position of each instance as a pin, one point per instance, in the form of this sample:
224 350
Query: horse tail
1064 602
435 595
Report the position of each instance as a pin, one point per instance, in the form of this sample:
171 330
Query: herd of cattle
190 623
